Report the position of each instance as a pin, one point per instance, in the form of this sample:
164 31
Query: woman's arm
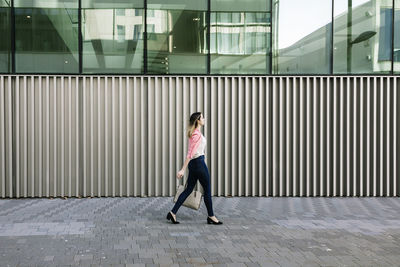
182 171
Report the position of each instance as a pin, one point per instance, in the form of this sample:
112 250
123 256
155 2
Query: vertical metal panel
62 132
247 136
395 143
227 135
213 143
355 111
156 151
388 117
17 139
315 139
268 142
25 139
282 138
261 136
143 146
363 93
336 168
2 139
275 136
128 100
302 157
369 137
241 128
328 139
253 136
164 140
120 138
77 139
54 131
348 139
295 126
219 136
171 134
308 136
267 136
234 137
322 150
374 154
84 127
99 138
91 137
9 137
47 137
341 137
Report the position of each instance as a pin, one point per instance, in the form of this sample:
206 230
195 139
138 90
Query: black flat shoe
210 221
170 217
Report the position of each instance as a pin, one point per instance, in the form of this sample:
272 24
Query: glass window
177 37
46 36
396 52
362 36
240 42
112 36
5 41
240 5
307 49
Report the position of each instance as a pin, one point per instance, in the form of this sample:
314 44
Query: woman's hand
180 174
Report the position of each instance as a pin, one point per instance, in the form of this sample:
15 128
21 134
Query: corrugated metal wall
267 136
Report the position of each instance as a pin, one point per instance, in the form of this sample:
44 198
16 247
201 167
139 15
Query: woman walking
197 169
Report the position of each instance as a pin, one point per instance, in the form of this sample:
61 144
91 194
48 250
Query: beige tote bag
192 201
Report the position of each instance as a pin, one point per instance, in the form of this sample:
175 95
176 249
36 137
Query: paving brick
256 232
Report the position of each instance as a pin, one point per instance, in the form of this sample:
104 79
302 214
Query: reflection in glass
5 40
240 34
302 43
200 5
396 52
239 42
46 36
362 36
240 5
112 38
177 41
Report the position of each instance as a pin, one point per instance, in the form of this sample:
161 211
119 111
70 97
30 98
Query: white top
201 148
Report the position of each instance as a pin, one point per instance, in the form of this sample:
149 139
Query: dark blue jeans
197 171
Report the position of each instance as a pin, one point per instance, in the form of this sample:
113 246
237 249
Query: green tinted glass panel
176 41
5 3
46 37
240 42
115 4
112 39
200 5
240 5
362 36
307 49
396 52
46 3
5 40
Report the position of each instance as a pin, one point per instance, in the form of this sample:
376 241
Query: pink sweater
194 142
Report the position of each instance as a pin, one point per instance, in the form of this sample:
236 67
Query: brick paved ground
256 232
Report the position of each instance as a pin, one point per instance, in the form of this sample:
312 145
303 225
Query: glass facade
240 37
396 48
5 41
362 36
177 37
46 36
112 36
307 49
218 37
